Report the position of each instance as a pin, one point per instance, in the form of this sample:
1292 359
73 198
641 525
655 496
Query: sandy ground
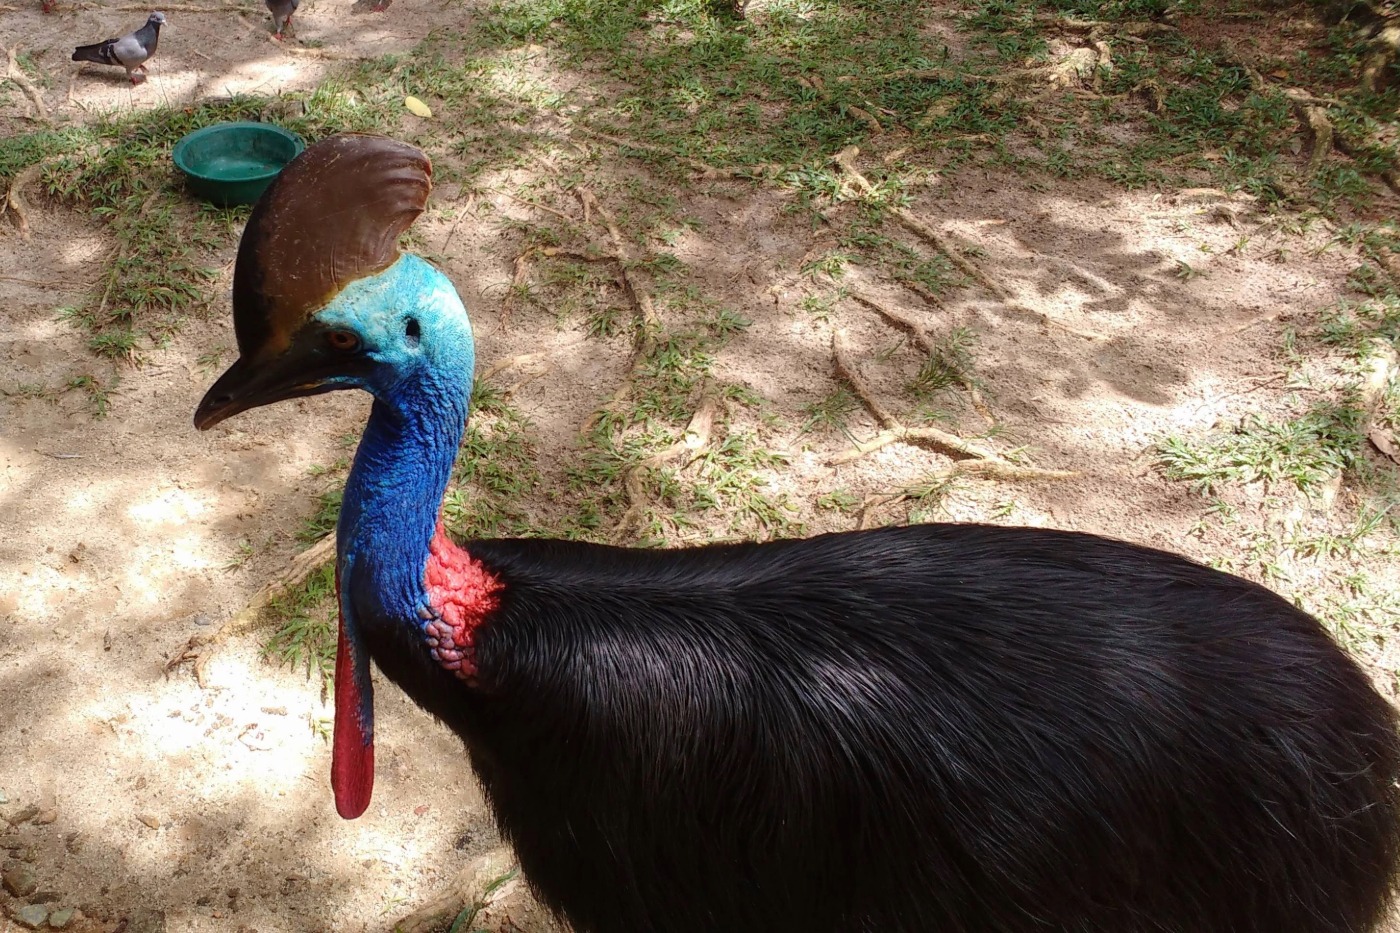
167 807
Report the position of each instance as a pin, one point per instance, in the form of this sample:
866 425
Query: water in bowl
238 166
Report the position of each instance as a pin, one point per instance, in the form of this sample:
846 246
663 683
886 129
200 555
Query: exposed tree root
846 160
696 436
1311 111
648 323
16 74
944 74
960 468
987 461
200 648
475 889
926 344
517 285
541 207
14 198
1387 49
1097 29
524 359
305 52
1318 125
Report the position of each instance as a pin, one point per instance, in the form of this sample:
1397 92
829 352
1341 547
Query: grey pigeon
130 51
281 11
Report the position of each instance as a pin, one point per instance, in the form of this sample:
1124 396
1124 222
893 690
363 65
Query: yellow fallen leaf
417 107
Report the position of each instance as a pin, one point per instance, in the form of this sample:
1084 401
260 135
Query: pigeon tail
99 52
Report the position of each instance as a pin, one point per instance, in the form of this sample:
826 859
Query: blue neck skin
421 384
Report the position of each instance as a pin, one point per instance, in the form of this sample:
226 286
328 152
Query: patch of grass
118 169
462 923
322 521
305 636
950 364
1304 451
495 476
831 412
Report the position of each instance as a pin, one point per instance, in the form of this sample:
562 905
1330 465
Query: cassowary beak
244 386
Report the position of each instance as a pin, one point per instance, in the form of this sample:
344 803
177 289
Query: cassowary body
952 728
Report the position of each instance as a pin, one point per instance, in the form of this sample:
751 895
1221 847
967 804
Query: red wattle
352 752
462 593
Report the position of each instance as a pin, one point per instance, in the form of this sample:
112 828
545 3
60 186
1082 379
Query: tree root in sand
926 344
16 74
634 285
696 437
517 285
974 457
845 160
486 881
184 8
14 198
1312 112
200 648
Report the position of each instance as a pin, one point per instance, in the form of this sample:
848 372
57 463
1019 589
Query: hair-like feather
949 728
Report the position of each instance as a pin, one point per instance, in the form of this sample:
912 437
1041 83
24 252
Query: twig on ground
983 460
200 648
845 159
926 344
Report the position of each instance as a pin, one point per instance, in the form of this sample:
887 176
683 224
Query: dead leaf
417 107
1385 443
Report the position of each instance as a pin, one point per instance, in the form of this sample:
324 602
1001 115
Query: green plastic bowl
233 163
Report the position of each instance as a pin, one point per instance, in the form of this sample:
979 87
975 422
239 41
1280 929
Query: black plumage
949 728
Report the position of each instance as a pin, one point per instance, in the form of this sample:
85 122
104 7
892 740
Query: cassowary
952 728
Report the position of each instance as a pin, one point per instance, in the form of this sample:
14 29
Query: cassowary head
322 298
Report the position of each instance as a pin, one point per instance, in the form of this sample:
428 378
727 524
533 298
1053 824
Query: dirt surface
168 806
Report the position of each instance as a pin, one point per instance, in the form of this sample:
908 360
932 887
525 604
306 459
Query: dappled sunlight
1098 320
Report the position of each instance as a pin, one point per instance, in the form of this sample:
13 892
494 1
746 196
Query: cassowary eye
343 340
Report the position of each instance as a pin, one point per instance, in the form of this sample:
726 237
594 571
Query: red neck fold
461 593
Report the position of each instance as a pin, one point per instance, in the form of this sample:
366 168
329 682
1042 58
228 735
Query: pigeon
130 51
281 11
